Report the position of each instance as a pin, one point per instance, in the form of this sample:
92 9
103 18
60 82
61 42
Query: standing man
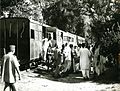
10 66
67 62
57 61
85 61
75 54
45 47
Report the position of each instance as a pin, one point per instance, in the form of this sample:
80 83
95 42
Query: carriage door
9 34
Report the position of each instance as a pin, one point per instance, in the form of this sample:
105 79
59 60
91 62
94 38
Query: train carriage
23 33
62 37
28 37
35 39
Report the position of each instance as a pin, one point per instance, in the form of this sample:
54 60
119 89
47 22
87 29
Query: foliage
106 29
6 3
29 9
66 15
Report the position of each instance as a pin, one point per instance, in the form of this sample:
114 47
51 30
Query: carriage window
49 36
69 39
65 38
44 32
72 39
61 35
54 35
32 34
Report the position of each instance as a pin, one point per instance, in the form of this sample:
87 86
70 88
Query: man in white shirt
10 66
85 61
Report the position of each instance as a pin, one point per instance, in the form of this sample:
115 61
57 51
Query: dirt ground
43 81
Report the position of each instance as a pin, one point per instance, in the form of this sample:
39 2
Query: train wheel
30 65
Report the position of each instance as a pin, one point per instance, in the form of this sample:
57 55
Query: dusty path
44 82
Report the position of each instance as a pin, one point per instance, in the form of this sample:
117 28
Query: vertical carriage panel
35 39
32 40
23 41
8 33
65 37
1 38
13 32
75 40
0 43
40 40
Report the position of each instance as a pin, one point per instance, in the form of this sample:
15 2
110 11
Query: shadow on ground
109 77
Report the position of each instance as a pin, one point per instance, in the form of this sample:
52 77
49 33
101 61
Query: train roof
49 28
35 22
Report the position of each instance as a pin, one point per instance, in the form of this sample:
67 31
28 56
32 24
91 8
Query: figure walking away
10 66
85 61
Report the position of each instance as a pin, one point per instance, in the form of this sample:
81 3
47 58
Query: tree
66 15
106 29
24 8
6 3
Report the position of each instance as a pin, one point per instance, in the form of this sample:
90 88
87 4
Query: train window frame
36 35
61 35
32 34
65 38
72 39
69 39
39 35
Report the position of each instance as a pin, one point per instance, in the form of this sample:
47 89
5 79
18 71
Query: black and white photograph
59 45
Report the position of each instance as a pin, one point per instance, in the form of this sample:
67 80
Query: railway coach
28 35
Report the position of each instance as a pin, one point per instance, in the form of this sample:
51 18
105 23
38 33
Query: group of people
72 58
66 60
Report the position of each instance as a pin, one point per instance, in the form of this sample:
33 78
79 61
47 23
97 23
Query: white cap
12 46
